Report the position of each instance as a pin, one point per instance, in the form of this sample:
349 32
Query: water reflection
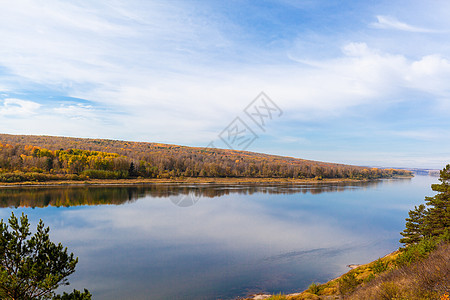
237 239
117 195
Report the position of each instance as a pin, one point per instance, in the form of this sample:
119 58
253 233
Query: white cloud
149 61
170 72
365 75
18 108
65 44
78 111
388 22
431 73
194 108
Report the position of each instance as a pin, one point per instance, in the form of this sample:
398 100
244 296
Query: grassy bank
421 272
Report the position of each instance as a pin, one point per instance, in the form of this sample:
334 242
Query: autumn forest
44 158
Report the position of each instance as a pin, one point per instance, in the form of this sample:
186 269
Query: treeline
96 158
431 219
32 163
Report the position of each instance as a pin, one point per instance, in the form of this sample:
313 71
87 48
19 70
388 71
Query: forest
43 158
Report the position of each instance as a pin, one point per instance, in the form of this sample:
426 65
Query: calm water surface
134 243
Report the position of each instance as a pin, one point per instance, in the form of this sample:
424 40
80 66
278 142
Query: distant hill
51 157
429 172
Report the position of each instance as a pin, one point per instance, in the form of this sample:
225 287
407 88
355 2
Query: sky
355 82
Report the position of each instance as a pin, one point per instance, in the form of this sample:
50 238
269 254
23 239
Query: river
169 241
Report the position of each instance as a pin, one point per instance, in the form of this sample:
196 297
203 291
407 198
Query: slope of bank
330 289
416 274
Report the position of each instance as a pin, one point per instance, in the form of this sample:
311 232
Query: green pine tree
437 217
31 266
413 232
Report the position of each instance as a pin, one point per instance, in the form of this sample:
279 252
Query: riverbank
418 272
188 180
330 289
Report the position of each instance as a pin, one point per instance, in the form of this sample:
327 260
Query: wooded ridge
43 158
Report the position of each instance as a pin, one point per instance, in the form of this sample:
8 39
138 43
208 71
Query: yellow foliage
329 291
304 296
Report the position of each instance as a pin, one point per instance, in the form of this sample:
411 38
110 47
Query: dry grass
383 279
303 296
426 279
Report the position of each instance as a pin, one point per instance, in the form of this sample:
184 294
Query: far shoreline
187 180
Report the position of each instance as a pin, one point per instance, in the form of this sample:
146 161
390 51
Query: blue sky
359 82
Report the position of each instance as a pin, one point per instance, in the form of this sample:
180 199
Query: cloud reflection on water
236 239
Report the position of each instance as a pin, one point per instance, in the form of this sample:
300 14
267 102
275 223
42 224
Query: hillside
41 158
